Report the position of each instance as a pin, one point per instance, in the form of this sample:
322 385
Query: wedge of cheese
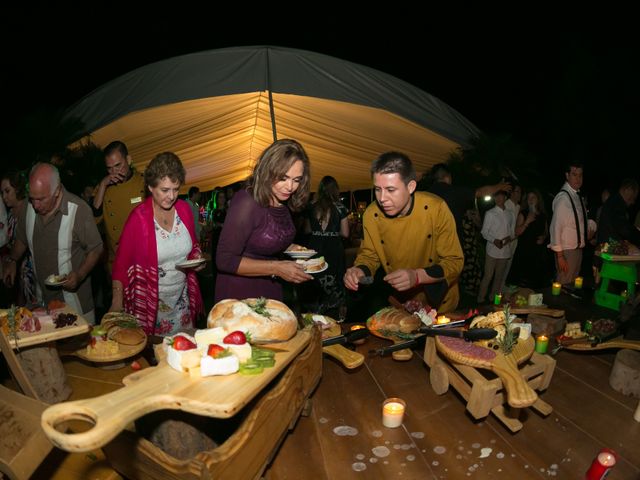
243 352
218 366
183 360
208 336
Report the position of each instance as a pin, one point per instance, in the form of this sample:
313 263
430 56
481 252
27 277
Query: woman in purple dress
259 227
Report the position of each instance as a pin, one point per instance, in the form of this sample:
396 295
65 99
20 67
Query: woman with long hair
327 224
531 258
259 227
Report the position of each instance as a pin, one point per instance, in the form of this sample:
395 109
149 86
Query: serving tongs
471 335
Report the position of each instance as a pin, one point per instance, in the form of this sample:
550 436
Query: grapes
65 319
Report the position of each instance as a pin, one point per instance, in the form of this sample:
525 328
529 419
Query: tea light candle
497 299
542 343
362 340
393 412
442 319
577 283
555 288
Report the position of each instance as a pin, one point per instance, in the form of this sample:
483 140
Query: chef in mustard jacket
412 235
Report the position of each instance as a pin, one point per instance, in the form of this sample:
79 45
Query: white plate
191 263
302 254
56 283
326 265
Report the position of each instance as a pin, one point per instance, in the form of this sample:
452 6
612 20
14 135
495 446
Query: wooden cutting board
519 393
586 346
348 358
524 310
49 333
399 328
160 388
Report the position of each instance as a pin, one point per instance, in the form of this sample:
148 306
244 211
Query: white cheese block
525 330
219 366
243 352
182 360
209 336
319 319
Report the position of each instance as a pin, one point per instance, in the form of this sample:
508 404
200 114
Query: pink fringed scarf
136 265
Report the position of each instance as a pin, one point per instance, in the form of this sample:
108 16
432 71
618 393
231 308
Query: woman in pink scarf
158 235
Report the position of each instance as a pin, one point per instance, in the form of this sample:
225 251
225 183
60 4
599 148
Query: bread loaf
390 321
264 319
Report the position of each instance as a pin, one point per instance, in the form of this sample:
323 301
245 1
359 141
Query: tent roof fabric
212 109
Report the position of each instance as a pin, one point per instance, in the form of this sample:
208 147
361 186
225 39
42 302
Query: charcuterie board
397 325
48 332
519 393
159 388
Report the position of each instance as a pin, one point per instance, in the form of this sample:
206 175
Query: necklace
164 217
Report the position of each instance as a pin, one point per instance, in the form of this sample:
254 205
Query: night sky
562 88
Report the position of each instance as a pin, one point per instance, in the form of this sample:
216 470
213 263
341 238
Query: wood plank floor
440 440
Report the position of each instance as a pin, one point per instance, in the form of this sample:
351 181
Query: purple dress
251 231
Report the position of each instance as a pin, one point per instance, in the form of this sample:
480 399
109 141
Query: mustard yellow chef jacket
424 238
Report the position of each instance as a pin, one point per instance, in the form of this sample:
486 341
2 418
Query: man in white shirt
513 205
498 229
569 229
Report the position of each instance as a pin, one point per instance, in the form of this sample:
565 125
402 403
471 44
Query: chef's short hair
394 162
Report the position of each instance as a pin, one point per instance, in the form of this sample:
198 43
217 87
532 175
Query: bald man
59 230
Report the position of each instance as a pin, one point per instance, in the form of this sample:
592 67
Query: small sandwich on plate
313 264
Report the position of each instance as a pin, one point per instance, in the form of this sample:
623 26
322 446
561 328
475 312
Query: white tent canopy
214 110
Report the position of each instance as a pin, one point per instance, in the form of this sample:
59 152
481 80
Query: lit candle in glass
393 412
358 327
555 288
542 343
442 319
497 299
577 283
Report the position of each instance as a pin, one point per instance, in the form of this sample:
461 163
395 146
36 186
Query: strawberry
216 351
182 343
135 365
235 338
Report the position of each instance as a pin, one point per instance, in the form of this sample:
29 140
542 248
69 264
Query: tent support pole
271 109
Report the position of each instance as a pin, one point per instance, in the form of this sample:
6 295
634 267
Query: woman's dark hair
328 195
273 164
18 181
165 164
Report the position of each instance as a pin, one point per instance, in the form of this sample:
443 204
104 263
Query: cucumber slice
262 353
266 362
250 368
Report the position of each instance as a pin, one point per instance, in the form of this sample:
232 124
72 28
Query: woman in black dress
531 257
327 225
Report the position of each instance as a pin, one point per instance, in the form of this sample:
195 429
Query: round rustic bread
278 323
129 336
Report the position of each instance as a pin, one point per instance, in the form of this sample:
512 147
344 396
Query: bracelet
417 278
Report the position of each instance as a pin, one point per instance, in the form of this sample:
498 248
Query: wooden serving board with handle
160 388
524 310
395 324
348 358
587 346
519 393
